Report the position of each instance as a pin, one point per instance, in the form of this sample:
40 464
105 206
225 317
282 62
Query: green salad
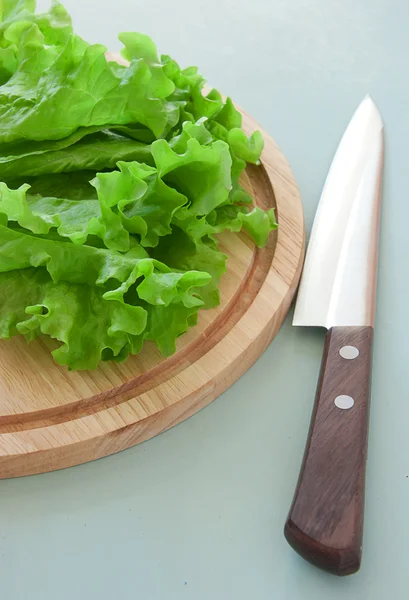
115 181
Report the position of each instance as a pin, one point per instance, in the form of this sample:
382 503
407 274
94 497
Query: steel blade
338 285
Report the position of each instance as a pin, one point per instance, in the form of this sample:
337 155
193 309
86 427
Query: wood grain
325 523
51 418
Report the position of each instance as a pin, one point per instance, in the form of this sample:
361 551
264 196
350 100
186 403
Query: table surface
197 513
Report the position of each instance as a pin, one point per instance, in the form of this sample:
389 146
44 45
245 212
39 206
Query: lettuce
16 20
115 181
95 151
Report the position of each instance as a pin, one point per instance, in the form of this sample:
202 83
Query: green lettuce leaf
181 252
136 131
145 203
94 322
115 182
86 264
164 326
72 219
88 327
74 185
201 173
92 91
95 151
16 18
255 221
55 25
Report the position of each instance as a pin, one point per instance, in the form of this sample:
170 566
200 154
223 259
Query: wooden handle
325 522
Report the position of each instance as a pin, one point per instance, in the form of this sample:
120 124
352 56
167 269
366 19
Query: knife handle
325 522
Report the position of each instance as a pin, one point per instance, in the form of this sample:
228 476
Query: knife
337 291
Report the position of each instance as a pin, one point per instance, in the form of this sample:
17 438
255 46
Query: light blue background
197 513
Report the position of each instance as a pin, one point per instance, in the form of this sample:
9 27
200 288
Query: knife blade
338 291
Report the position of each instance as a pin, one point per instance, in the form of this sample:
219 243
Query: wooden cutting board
51 418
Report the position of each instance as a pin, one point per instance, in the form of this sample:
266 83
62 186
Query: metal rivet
349 352
344 402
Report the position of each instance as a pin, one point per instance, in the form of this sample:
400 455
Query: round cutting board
51 418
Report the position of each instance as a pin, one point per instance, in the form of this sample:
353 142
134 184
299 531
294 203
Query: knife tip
369 107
